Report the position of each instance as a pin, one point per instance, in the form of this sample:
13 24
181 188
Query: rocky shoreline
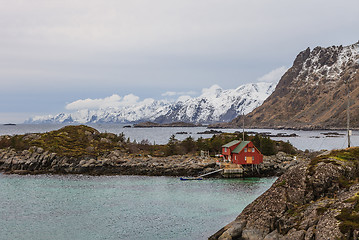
316 199
232 125
37 161
84 150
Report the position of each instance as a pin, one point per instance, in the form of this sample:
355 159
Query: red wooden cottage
242 152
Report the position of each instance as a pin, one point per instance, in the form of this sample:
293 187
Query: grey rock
310 234
252 234
233 231
273 236
295 235
105 140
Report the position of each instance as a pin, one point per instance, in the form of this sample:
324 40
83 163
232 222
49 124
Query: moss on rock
70 141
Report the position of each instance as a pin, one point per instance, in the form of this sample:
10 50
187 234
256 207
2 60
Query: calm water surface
311 140
120 207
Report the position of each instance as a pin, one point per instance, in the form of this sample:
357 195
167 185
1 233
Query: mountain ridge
312 94
213 105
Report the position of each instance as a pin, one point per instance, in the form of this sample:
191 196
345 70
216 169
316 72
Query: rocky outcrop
317 199
274 165
312 94
36 161
82 149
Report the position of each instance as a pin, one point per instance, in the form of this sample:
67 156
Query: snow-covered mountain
313 93
213 105
218 105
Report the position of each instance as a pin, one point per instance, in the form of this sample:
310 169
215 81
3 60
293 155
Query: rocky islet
316 199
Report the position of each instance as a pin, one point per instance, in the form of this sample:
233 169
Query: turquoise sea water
120 207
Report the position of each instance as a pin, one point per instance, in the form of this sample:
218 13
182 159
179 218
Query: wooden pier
231 170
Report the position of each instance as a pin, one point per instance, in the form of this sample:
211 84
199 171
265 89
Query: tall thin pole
243 126
348 115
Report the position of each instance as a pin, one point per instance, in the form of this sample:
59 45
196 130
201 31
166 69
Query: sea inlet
120 207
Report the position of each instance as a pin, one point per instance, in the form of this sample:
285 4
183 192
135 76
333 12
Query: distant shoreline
188 124
174 124
298 128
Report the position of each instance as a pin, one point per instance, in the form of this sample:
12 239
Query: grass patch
351 155
296 211
331 161
293 212
282 183
355 200
322 210
71 141
349 217
345 182
349 220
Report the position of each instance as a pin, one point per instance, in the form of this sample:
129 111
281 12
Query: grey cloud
88 48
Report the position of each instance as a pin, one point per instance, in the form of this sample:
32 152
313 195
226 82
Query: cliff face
317 199
313 92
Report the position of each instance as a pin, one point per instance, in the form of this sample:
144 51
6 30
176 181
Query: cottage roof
230 144
239 148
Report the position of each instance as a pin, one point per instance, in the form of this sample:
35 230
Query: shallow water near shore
120 207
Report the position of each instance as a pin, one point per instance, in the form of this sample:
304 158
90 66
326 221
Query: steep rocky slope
317 199
313 92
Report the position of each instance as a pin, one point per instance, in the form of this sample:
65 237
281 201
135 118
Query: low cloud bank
131 100
114 101
274 75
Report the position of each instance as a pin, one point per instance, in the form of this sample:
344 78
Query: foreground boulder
316 199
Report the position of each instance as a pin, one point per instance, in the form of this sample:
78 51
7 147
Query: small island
84 150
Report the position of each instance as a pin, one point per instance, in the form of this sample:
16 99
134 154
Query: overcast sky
55 52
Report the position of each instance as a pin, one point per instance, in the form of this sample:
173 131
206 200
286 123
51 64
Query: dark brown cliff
312 94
